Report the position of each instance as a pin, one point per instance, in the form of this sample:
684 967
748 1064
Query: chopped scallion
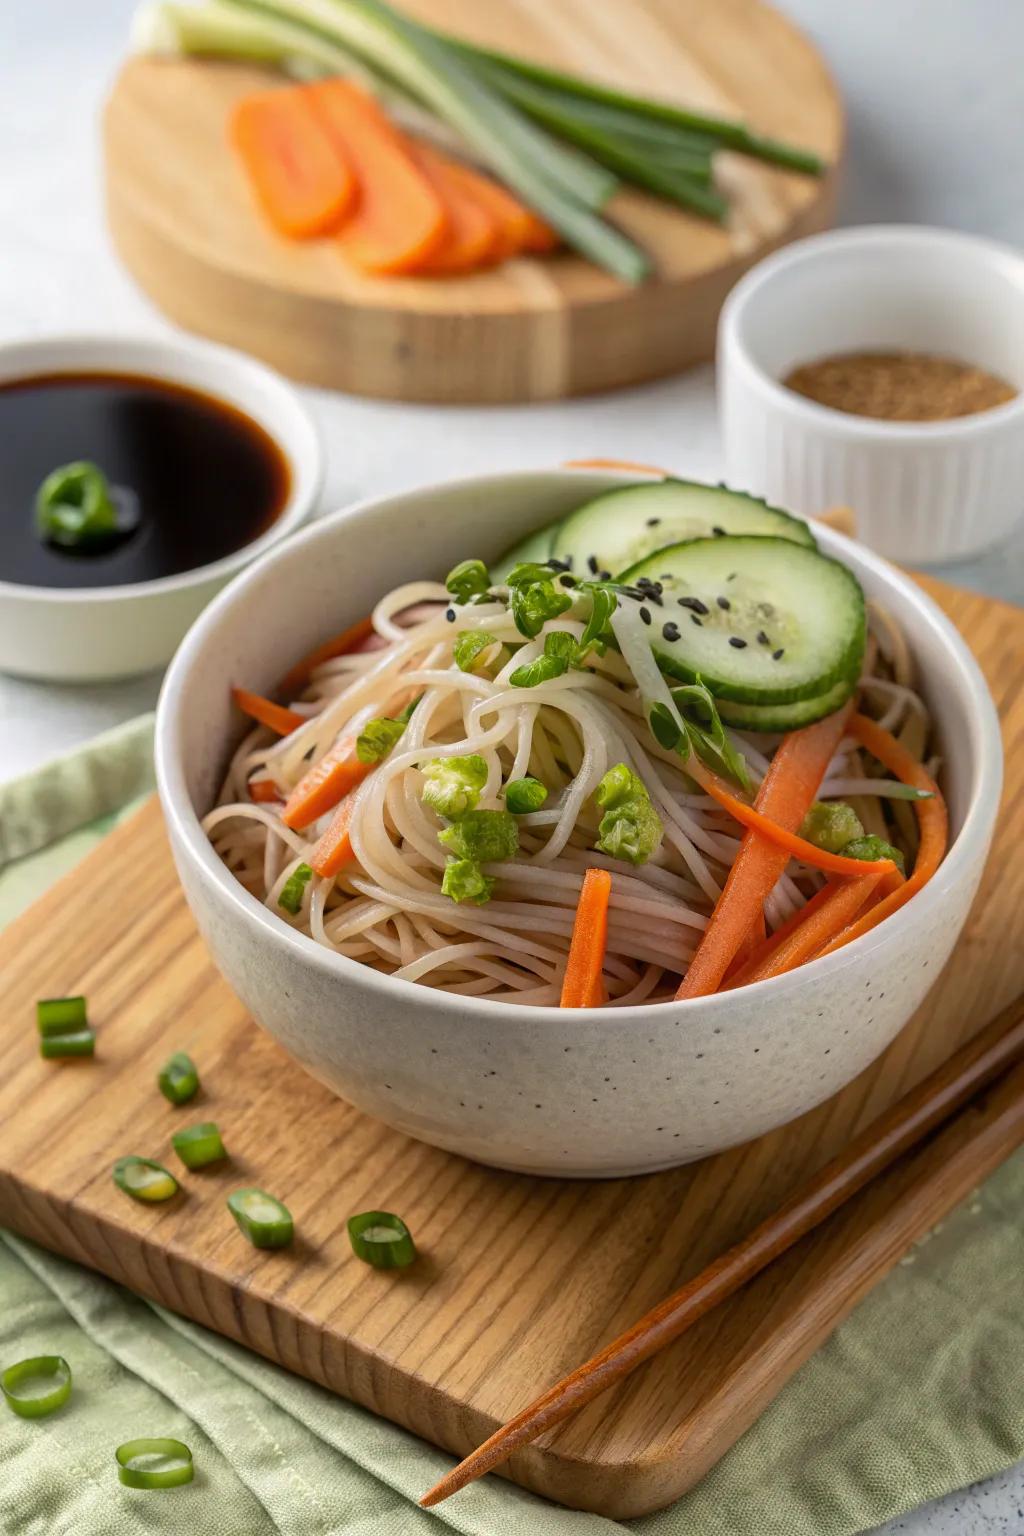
178 1078
525 795
294 888
160 1463
35 1387
381 1239
200 1145
145 1180
57 1015
74 508
264 1220
71 1042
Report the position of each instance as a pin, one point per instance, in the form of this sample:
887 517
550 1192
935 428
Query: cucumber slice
616 530
536 546
785 717
762 621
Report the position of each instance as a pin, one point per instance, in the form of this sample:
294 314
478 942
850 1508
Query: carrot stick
274 716
400 219
334 849
519 228
327 782
302 182
753 939
932 819
296 679
473 237
825 915
264 791
642 469
797 847
583 986
785 796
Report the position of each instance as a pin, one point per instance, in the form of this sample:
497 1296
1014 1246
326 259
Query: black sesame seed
567 581
644 582
694 620
645 614
605 576
693 603
719 533
723 603
653 595
555 564
670 631
737 643
635 594
778 655
652 522
592 564
731 576
449 614
762 638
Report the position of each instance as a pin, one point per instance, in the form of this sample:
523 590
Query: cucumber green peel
35 1387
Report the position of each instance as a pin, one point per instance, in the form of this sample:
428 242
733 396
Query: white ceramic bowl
581 1092
922 491
91 633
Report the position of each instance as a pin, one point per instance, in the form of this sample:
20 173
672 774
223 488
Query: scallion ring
159 1463
381 1239
72 1042
178 1078
35 1387
199 1146
60 1015
145 1180
74 507
264 1220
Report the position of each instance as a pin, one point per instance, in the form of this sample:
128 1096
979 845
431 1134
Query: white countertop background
935 95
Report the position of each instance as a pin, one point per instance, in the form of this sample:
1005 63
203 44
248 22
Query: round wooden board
184 223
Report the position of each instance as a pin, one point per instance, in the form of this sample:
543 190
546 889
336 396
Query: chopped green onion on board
58 1015
35 1387
159 1463
71 1042
382 1239
178 1079
145 1180
199 1145
264 1220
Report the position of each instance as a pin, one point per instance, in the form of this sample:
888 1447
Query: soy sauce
206 480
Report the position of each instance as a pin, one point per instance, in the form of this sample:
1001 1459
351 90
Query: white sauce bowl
922 492
594 1092
88 634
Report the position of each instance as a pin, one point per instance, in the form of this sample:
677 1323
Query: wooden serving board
519 1278
185 225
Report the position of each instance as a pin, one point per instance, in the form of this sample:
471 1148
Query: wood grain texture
185 225
520 1279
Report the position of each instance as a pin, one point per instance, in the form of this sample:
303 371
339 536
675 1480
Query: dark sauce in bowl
203 478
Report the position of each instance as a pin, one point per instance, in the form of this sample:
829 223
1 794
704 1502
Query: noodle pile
387 909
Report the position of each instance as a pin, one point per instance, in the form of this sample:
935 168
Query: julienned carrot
400 219
473 237
753 939
785 796
583 986
327 782
296 679
264 791
274 716
334 850
932 820
797 847
302 182
642 469
519 228
825 915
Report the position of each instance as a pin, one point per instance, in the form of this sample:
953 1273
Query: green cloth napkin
921 1391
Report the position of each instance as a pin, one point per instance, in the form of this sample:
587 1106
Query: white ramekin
922 491
87 634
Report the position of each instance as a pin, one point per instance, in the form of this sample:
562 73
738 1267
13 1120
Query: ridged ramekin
922 491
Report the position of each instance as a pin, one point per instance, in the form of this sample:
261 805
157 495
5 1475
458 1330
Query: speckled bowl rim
228 370
975 833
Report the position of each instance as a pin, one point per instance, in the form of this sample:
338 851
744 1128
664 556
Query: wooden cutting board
519 1279
185 226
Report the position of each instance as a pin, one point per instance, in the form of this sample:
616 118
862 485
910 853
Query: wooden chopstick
992 1052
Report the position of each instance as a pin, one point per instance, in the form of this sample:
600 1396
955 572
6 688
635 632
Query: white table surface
933 89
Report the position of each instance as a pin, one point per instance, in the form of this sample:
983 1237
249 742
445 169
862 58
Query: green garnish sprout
453 784
470 646
872 848
630 828
294 888
533 598
831 825
524 795
560 652
468 580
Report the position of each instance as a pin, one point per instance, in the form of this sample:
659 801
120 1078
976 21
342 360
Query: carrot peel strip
274 716
583 986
